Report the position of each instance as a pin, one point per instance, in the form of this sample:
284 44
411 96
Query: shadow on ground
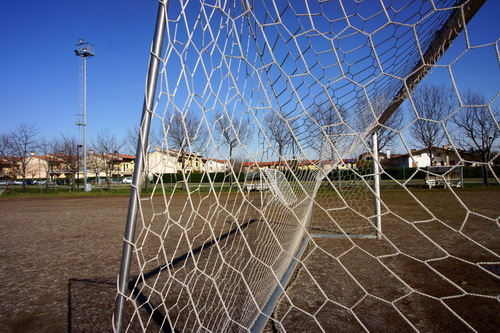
90 305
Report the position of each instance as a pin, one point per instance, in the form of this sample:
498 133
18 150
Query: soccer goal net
265 197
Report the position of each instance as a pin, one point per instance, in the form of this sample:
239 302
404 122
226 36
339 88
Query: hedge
340 174
196 177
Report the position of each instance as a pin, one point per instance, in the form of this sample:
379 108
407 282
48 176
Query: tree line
21 144
434 115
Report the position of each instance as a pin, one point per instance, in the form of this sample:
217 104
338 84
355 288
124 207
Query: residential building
215 165
111 166
299 164
9 167
420 158
161 162
37 167
256 166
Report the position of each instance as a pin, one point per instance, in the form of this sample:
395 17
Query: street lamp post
39 176
78 166
32 154
84 51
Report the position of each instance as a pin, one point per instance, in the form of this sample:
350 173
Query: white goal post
306 94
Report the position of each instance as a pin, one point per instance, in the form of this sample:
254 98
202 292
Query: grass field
437 269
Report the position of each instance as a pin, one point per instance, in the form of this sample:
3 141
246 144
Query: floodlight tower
84 51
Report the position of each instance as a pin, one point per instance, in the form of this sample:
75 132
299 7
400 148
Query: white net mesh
281 97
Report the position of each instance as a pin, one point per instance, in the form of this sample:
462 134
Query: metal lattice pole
84 51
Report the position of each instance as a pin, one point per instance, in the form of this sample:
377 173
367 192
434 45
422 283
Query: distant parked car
127 180
3 182
39 182
17 182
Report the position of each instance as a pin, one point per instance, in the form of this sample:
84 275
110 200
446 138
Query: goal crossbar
437 47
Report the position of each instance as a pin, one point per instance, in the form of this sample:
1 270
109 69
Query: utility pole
84 51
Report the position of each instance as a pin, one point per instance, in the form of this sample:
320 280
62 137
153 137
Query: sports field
60 258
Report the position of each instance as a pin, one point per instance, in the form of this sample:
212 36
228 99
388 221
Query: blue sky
40 73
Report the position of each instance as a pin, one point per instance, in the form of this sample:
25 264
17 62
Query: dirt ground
60 258
437 269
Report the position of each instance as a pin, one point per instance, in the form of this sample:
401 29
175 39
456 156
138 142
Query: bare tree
388 132
17 148
278 131
96 164
232 131
477 127
46 149
326 125
52 151
107 146
67 151
130 144
184 132
367 117
132 139
7 155
432 103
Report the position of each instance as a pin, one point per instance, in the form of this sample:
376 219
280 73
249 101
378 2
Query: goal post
376 185
260 141
142 148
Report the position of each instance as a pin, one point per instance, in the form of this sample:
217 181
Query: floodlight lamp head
84 50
